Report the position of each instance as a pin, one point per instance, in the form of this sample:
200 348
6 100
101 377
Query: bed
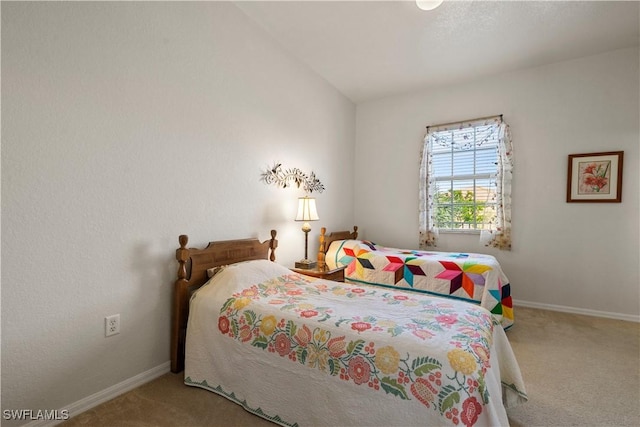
472 277
303 351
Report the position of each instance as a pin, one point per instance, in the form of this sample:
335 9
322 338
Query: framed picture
595 177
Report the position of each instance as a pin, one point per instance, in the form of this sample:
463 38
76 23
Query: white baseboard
574 310
107 394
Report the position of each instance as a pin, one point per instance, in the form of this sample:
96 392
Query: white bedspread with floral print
301 351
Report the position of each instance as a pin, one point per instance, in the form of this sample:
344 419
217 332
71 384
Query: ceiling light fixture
428 4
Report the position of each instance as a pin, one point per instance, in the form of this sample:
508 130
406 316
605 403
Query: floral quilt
371 355
475 278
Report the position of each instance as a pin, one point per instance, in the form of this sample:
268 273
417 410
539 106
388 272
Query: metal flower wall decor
283 178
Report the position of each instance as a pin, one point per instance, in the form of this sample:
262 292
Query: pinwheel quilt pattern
477 278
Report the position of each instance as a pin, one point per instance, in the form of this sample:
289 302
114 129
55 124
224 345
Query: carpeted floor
578 370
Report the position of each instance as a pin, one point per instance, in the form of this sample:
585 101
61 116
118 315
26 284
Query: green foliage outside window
456 210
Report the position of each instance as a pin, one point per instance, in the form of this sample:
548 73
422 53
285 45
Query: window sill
471 232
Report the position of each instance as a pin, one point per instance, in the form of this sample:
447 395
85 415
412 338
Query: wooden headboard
192 274
325 241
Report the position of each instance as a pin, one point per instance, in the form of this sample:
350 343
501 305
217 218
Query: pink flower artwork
594 177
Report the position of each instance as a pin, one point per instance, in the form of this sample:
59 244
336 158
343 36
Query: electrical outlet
111 325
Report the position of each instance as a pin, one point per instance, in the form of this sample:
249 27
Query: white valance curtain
499 234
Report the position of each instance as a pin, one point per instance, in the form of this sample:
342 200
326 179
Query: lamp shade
307 209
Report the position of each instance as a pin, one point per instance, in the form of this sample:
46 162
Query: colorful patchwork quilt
475 278
303 351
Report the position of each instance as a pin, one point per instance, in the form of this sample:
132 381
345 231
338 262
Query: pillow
215 270
233 277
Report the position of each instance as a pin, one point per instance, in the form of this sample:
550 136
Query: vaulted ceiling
372 49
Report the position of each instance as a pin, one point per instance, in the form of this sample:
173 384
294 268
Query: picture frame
595 177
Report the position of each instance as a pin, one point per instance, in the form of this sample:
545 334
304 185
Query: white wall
124 125
127 124
583 256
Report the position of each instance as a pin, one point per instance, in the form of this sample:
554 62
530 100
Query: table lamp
306 212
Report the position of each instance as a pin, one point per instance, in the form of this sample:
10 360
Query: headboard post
182 254
273 244
179 306
321 250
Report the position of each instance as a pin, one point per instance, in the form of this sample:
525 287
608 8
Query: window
465 181
464 167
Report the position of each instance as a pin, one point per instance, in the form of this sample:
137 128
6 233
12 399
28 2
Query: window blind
464 167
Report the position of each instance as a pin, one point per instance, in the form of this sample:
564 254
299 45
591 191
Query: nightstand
337 274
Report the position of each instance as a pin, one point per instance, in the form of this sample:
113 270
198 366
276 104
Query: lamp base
306 264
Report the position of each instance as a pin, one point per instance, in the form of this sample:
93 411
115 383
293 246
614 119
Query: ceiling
373 49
